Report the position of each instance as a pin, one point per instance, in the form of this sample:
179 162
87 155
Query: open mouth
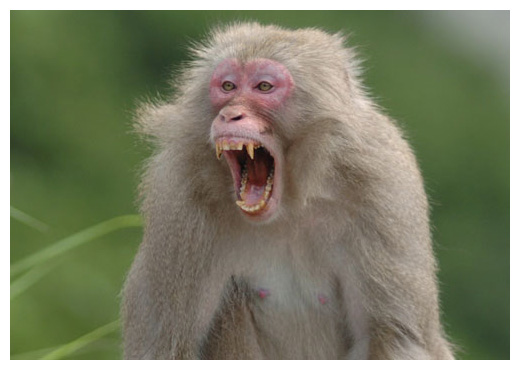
252 167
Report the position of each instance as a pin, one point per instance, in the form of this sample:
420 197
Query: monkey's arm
390 296
174 286
391 288
166 314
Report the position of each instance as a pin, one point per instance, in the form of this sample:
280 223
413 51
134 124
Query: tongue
257 173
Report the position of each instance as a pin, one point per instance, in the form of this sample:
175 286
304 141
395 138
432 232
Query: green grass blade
71 347
25 281
28 220
75 240
32 355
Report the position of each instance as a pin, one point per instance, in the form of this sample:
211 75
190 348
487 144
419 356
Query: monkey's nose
228 115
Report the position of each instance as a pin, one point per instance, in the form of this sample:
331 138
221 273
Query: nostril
231 114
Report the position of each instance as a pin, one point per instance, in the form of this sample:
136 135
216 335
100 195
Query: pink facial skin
243 112
246 78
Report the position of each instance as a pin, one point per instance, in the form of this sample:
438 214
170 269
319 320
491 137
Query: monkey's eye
228 86
264 86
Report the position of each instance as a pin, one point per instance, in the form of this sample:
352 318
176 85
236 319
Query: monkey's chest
284 290
280 314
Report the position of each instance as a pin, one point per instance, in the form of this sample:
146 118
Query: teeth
243 183
269 186
253 208
270 177
251 150
263 202
223 145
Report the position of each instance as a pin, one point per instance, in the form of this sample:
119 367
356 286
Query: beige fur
353 223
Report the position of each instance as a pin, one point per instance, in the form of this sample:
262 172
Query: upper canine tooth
219 151
251 150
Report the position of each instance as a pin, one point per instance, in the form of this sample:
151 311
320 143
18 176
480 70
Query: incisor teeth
231 145
250 209
251 150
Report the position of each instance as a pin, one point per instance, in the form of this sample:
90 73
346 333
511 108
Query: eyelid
234 86
266 82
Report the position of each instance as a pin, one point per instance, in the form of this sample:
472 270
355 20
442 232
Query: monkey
285 215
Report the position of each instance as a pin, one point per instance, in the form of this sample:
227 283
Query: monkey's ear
153 120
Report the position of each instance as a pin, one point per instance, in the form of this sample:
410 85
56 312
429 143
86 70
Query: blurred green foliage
75 79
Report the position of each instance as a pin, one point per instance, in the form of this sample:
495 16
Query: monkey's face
244 97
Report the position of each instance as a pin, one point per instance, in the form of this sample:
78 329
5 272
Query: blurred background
75 163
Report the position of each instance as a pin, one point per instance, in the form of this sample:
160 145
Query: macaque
285 215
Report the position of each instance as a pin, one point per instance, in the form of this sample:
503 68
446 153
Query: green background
75 81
